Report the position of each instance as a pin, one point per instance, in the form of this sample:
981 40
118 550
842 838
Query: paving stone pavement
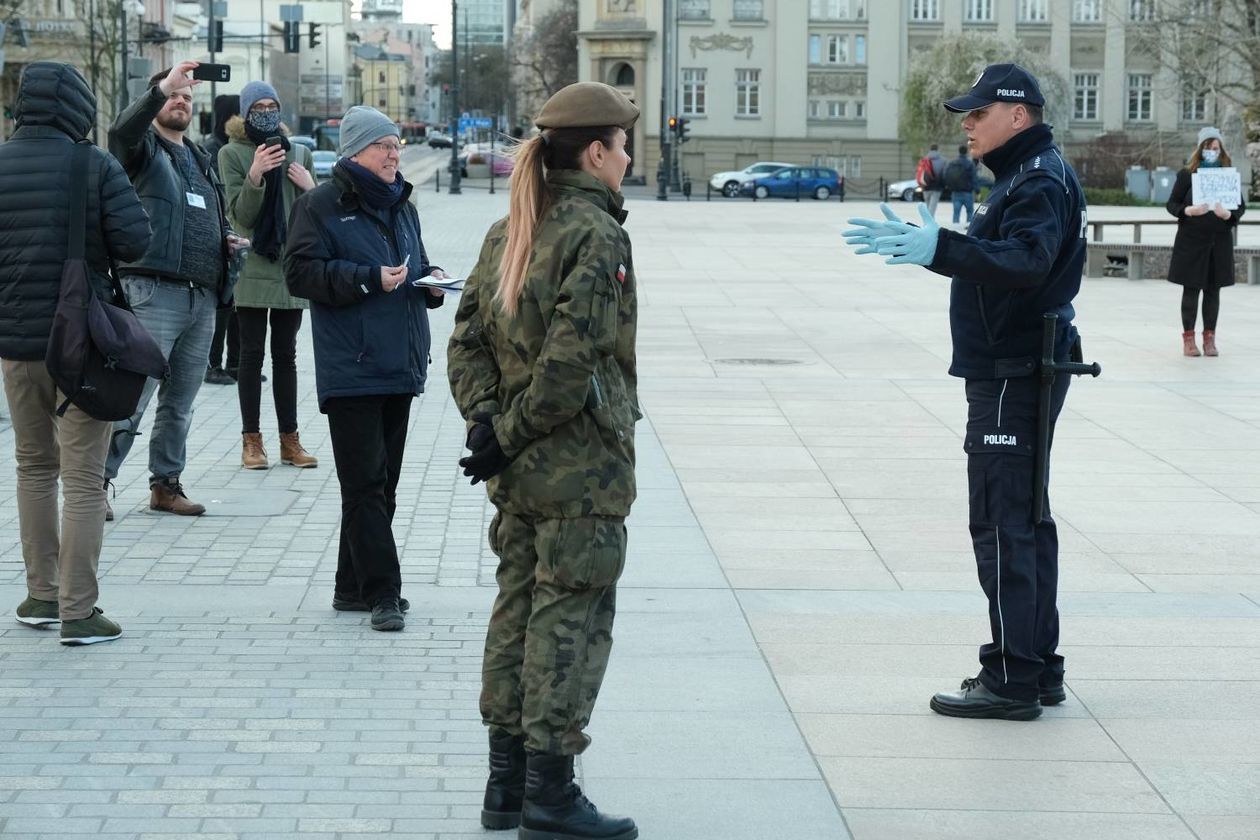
799 583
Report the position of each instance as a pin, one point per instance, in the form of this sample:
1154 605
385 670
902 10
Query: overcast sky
431 11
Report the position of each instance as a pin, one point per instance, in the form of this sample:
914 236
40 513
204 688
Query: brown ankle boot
1209 343
253 456
292 453
1187 344
169 496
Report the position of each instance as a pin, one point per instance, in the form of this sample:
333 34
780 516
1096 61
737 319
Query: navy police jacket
1021 257
367 341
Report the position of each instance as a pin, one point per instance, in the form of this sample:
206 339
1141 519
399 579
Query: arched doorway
622 77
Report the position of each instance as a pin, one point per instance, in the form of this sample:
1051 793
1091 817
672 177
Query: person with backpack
929 172
960 180
55 110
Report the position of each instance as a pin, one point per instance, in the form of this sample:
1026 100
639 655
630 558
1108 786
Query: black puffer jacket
54 110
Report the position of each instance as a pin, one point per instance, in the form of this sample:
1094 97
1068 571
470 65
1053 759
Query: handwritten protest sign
1208 186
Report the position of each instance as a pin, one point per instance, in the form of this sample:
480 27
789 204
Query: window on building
748 93
1087 11
1140 101
1085 103
925 10
1141 10
749 10
693 9
854 169
979 10
815 109
1193 102
859 109
694 91
1199 9
815 49
859 49
837 49
1032 11
836 109
380 78
837 9
382 103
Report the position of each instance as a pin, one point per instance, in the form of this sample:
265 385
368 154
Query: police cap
587 105
999 83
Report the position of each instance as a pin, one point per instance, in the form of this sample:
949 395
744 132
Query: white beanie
1210 132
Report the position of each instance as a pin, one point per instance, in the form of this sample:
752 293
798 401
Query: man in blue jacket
1021 257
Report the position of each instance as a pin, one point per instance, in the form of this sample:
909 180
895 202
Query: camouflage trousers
551 631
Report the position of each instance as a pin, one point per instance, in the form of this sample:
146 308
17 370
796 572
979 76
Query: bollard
437 181
708 191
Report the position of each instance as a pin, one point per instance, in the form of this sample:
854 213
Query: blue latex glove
911 245
863 237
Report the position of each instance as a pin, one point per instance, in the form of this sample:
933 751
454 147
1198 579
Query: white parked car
907 190
728 183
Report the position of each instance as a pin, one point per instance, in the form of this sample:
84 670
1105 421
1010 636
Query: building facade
483 22
820 80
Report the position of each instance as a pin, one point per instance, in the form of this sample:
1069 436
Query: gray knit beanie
1210 132
254 91
361 126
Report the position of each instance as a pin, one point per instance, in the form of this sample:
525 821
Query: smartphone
273 141
213 72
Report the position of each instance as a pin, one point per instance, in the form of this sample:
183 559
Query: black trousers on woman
368 436
284 329
226 336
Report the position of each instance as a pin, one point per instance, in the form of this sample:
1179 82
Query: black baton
1049 370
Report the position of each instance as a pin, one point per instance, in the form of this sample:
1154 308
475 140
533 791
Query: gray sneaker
37 613
88 631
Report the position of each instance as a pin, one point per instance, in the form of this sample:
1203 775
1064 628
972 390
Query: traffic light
682 129
673 125
292 36
214 37
312 35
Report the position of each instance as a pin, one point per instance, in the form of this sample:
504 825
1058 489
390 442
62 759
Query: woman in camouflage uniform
541 364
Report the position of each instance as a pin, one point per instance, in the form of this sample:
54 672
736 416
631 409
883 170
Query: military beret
587 105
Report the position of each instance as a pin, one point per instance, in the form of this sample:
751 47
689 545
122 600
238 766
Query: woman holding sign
1203 253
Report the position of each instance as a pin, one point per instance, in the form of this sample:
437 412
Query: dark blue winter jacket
1021 257
367 341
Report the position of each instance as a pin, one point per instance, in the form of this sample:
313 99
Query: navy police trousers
1017 561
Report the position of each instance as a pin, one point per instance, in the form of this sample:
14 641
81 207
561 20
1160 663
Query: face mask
264 121
1211 155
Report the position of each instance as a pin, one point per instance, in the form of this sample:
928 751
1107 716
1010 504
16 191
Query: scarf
374 192
270 231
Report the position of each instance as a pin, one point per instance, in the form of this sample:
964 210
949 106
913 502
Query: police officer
1021 258
541 364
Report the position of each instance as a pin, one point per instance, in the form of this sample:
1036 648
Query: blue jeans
964 199
181 320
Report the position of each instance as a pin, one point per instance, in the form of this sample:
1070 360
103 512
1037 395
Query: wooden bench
1137 261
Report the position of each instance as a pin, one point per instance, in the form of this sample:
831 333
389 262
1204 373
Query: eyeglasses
388 148
264 109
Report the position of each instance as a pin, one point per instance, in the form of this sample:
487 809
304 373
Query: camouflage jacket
558 378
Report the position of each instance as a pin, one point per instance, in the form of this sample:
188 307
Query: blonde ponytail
529 200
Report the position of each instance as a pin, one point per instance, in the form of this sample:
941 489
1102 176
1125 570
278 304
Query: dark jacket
1203 252
969 181
160 185
54 110
1021 257
367 341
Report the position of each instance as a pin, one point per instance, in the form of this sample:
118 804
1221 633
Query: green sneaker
37 613
88 631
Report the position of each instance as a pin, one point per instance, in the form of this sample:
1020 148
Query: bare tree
546 59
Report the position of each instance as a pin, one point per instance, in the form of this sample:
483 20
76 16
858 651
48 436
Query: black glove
487 459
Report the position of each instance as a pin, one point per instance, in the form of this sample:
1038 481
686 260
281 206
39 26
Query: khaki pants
58 567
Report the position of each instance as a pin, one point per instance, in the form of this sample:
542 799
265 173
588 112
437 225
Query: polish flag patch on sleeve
621 273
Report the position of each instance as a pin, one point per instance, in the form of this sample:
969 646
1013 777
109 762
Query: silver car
323 162
728 183
908 190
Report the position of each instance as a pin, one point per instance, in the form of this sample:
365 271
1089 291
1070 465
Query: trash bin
1163 179
1137 182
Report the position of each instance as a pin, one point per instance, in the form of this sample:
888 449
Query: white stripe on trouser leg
997 541
1005 382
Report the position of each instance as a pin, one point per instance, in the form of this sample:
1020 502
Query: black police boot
1051 694
975 700
505 788
555 808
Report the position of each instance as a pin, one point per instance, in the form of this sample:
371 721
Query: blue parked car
812 181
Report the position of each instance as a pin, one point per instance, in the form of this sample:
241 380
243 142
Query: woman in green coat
262 176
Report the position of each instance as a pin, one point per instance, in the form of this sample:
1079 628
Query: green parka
558 378
261 284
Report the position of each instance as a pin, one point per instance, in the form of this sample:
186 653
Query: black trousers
368 436
225 327
1017 561
285 324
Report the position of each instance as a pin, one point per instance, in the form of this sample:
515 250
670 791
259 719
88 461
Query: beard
174 120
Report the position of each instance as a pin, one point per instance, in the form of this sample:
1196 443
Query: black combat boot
506 786
555 808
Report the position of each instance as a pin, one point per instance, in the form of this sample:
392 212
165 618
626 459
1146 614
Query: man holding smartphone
179 282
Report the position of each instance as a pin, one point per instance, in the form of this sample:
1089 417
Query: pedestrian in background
960 180
54 110
221 370
930 171
181 279
1203 252
263 174
355 252
1022 258
541 364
